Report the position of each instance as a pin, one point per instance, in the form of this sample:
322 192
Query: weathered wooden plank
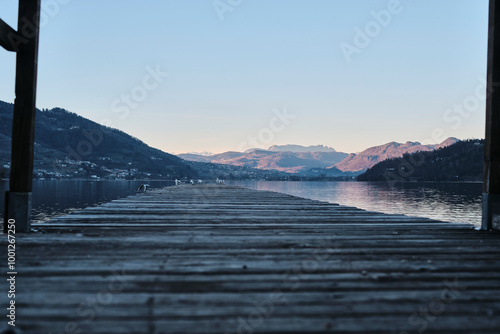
272 324
198 264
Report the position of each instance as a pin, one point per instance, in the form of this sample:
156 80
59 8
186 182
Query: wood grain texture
222 259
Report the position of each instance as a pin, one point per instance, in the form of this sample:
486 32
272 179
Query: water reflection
55 197
454 202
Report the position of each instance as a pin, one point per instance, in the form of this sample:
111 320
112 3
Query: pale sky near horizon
349 74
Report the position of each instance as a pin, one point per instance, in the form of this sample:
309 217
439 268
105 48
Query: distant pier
223 259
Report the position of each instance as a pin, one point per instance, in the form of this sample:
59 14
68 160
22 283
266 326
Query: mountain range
300 159
371 156
284 161
300 148
68 145
462 161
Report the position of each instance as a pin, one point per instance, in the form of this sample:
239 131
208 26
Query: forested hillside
462 161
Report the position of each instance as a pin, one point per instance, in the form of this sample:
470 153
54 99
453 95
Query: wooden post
25 44
491 186
8 36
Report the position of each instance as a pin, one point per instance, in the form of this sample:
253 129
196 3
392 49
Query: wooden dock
222 259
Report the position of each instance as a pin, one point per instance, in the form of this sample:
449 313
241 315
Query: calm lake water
454 202
56 197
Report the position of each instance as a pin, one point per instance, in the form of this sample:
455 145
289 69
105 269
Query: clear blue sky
413 76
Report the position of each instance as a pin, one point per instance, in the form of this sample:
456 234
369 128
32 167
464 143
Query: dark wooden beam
8 37
23 132
491 186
